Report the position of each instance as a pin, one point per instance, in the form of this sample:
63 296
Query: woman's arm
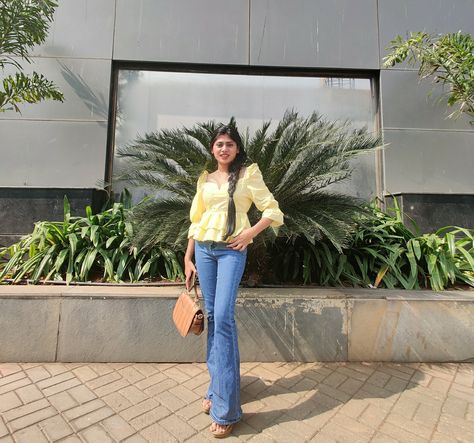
240 242
189 268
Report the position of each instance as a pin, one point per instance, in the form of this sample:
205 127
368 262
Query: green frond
299 159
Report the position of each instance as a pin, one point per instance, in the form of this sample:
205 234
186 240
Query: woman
218 237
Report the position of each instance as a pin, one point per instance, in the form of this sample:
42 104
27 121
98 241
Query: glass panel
151 100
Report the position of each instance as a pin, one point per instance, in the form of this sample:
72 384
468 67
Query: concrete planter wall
122 323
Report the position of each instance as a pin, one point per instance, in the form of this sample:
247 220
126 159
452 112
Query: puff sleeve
262 197
197 206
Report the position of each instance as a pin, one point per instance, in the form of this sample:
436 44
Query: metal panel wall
429 161
336 34
432 16
49 154
53 144
428 153
81 28
207 31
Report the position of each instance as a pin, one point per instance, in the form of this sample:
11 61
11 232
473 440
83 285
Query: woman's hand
189 272
240 242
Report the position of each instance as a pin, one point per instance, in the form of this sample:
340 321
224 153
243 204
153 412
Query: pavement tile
383 438
29 393
37 373
400 434
141 408
82 394
103 380
91 418
55 368
176 374
54 380
335 379
354 407
4 380
60 387
200 422
372 416
111 387
96 434
84 409
157 434
9 368
30 435
133 394
396 384
3 428
146 369
117 401
32 418
130 374
190 410
352 373
177 427
25 409
117 427
62 401
464 378
135 439
161 387
55 428
153 379
184 394
150 417
170 401
420 378
103 368
72 439
462 391
14 385
85 373
416 428
282 402
9 401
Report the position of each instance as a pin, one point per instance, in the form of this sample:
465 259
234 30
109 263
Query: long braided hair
234 171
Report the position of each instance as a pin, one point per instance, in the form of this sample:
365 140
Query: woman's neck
223 169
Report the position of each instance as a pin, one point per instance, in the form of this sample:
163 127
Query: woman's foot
221 431
206 405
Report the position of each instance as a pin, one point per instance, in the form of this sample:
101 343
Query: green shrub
83 248
383 253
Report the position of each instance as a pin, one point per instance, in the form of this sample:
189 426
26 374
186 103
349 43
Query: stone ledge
172 290
126 323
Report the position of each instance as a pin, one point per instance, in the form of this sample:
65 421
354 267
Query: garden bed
133 323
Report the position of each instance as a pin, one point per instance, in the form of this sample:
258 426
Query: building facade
132 66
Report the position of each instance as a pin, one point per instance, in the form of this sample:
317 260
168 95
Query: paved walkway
282 402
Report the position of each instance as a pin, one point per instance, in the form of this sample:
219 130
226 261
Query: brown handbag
187 313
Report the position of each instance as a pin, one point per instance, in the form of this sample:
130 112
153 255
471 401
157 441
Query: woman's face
224 150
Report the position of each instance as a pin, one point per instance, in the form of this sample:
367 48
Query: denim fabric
220 270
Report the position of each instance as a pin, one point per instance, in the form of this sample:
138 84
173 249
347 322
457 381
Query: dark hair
234 170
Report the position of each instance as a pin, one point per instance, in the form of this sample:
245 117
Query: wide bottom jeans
220 270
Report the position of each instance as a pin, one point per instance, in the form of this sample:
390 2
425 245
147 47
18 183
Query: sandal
223 434
206 405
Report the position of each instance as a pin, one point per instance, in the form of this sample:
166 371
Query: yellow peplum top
209 207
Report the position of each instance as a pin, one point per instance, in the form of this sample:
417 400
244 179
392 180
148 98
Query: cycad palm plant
299 160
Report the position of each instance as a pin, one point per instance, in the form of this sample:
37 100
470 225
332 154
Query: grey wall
64 145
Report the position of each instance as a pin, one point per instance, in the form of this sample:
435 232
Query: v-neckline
219 187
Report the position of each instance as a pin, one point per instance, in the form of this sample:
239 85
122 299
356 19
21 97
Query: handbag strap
193 285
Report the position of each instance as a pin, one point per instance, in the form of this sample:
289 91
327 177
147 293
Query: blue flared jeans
220 270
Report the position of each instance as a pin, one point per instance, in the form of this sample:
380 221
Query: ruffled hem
213 227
